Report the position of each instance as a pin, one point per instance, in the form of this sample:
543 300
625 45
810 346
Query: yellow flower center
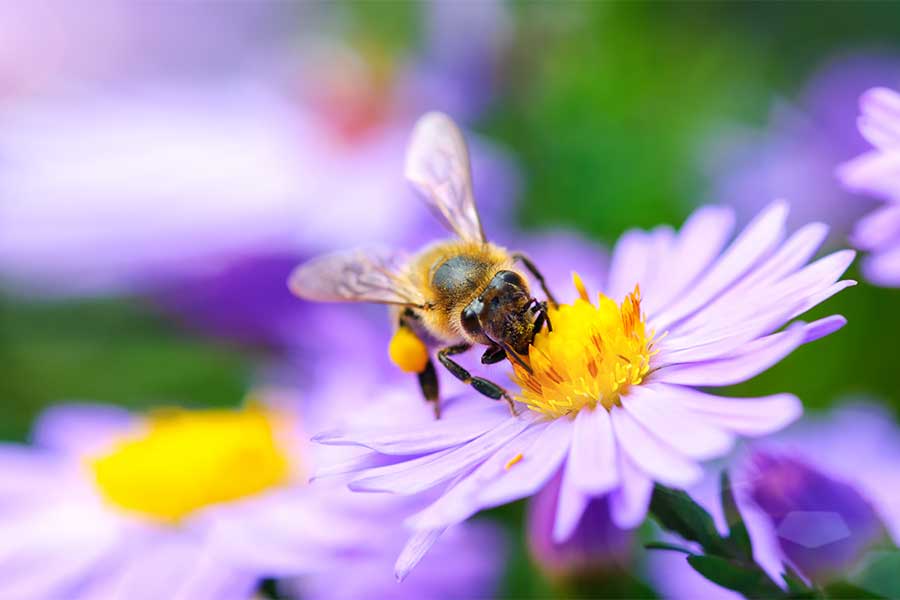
187 460
593 354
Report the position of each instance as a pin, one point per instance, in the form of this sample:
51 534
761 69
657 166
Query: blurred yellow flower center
187 460
593 354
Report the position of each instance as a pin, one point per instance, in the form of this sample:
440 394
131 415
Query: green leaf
738 536
796 585
749 580
879 573
677 512
843 589
666 546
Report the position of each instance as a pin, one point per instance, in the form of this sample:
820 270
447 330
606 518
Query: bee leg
429 383
493 355
523 258
481 385
540 320
427 376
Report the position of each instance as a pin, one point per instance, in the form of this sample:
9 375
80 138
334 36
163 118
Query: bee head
502 313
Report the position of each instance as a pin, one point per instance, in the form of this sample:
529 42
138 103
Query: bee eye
470 321
511 278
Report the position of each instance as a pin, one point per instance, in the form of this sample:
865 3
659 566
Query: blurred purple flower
612 423
877 173
48 48
824 524
201 194
817 496
194 504
795 156
596 545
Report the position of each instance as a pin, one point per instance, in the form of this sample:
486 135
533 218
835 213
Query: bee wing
364 275
437 164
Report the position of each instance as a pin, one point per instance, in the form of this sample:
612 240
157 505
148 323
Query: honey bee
456 293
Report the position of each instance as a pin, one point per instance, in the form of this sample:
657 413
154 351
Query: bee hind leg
481 385
532 268
429 383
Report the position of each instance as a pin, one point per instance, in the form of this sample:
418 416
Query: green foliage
106 351
728 561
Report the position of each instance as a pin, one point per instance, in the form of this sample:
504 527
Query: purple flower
198 504
877 173
823 524
596 545
125 189
817 497
610 399
795 155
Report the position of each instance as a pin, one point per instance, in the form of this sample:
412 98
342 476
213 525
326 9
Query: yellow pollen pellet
513 461
407 351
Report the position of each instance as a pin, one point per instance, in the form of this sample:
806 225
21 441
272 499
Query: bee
455 293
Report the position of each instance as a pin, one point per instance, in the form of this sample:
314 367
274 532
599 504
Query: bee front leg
493 355
542 317
481 385
532 268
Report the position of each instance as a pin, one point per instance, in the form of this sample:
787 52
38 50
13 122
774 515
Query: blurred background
163 166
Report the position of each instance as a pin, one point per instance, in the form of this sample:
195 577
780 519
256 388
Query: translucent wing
437 164
370 275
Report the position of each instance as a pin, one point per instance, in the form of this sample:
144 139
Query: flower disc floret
593 353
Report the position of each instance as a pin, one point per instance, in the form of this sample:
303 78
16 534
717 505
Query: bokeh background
163 165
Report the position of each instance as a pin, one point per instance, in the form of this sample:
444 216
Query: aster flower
818 497
596 546
610 399
193 504
136 189
795 153
877 173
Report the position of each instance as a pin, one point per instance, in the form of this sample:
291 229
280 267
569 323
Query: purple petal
877 229
419 543
49 551
629 502
676 426
793 254
425 437
880 119
883 267
569 508
651 455
825 326
504 477
538 464
699 242
26 474
873 173
745 416
736 320
757 240
81 429
757 356
591 466
356 464
629 261
421 476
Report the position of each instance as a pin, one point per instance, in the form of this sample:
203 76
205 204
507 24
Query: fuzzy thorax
593 355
